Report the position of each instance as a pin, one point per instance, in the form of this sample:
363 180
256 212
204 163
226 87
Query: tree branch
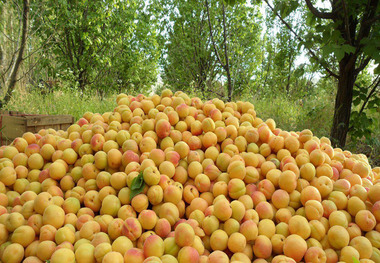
375 84
6 36
211 35
318 13
225 38
19 59
346 24
29 70
368 15
372 20
363 65
312 53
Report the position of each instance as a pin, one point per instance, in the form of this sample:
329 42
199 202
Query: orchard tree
235 38
187 58
206 43
101 43
348 34
279 71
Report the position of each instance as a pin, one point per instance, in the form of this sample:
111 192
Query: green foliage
280 71
137 185
365 116
188 56
99 44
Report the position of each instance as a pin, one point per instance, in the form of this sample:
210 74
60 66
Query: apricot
13 253
348 253
365 220
300 226
188 254
315 254
219 240
363 246
338 237
153 246
184 235
236 242
63 255
295 247
170 212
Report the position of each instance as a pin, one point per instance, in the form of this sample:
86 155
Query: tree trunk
289 73
343 101
81 81
19 59
229 84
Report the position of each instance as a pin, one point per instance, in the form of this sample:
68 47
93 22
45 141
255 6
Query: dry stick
300 39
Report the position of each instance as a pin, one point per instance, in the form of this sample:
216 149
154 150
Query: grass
59 102
296 115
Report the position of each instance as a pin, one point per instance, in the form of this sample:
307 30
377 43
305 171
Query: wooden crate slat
14 124
12 127
48 120
65 126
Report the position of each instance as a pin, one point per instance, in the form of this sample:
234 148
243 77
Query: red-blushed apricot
280 199
315 254
266 187
184 235
218 256
331 255
365 220
264 210
249 229
153 246
188 254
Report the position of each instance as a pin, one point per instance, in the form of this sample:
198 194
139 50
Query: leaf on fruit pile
137 185
355 260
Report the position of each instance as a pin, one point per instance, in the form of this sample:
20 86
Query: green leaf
339 54
348 49
355 260
377 70
137 185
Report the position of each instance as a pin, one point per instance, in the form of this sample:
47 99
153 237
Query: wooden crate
14 124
